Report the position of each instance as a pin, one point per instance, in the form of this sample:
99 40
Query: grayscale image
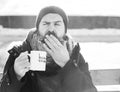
59 46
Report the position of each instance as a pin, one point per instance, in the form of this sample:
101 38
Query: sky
71 7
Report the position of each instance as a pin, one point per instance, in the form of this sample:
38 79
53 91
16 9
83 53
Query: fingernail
43 44
45 39
47 36
51 35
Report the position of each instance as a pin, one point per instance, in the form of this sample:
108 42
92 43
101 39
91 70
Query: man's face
52 23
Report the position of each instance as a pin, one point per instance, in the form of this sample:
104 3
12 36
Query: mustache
49 33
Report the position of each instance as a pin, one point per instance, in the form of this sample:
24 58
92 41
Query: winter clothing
73 77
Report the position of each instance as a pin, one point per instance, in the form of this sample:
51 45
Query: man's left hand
57 50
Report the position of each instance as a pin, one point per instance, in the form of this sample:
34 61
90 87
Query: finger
49 44
56 40
65 44
71 44
47 49
50 39
23 55
23 64
21 59
27 68
23 72
24 67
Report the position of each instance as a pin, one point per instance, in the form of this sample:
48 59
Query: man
66 70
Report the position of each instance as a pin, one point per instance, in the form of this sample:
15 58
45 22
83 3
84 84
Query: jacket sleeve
76 77
9 81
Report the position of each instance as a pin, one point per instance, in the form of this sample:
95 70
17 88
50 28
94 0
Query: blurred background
95 24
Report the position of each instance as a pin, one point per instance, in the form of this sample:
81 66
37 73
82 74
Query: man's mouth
50 33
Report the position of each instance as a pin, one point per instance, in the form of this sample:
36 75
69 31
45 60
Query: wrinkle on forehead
52 17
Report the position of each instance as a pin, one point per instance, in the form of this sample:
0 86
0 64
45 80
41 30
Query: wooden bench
106 80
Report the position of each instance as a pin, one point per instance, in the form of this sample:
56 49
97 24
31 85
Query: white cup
38 60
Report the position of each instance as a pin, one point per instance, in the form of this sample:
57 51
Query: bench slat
106 77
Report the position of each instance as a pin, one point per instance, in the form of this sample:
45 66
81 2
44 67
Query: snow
101 55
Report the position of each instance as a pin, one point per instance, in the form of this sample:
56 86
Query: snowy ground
101 55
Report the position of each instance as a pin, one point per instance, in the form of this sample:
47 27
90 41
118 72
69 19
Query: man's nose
51 27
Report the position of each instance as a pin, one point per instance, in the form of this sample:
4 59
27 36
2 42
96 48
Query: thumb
71 44
24 53
65 44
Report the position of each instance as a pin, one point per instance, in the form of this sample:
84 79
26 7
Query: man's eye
57 24
46 23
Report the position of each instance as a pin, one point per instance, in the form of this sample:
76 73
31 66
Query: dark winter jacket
73 77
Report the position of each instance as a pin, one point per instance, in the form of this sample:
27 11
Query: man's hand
22 65
58 51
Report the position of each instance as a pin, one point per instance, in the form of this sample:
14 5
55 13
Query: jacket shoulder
30 34
21 46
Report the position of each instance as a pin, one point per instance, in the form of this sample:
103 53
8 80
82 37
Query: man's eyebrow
46 22
58 21
49 22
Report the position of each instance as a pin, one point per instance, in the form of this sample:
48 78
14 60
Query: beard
61 40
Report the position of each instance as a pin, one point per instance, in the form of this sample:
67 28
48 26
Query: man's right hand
22 65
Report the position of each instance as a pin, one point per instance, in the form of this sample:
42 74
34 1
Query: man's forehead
52 17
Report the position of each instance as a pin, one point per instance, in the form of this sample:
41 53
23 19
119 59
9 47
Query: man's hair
52 9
